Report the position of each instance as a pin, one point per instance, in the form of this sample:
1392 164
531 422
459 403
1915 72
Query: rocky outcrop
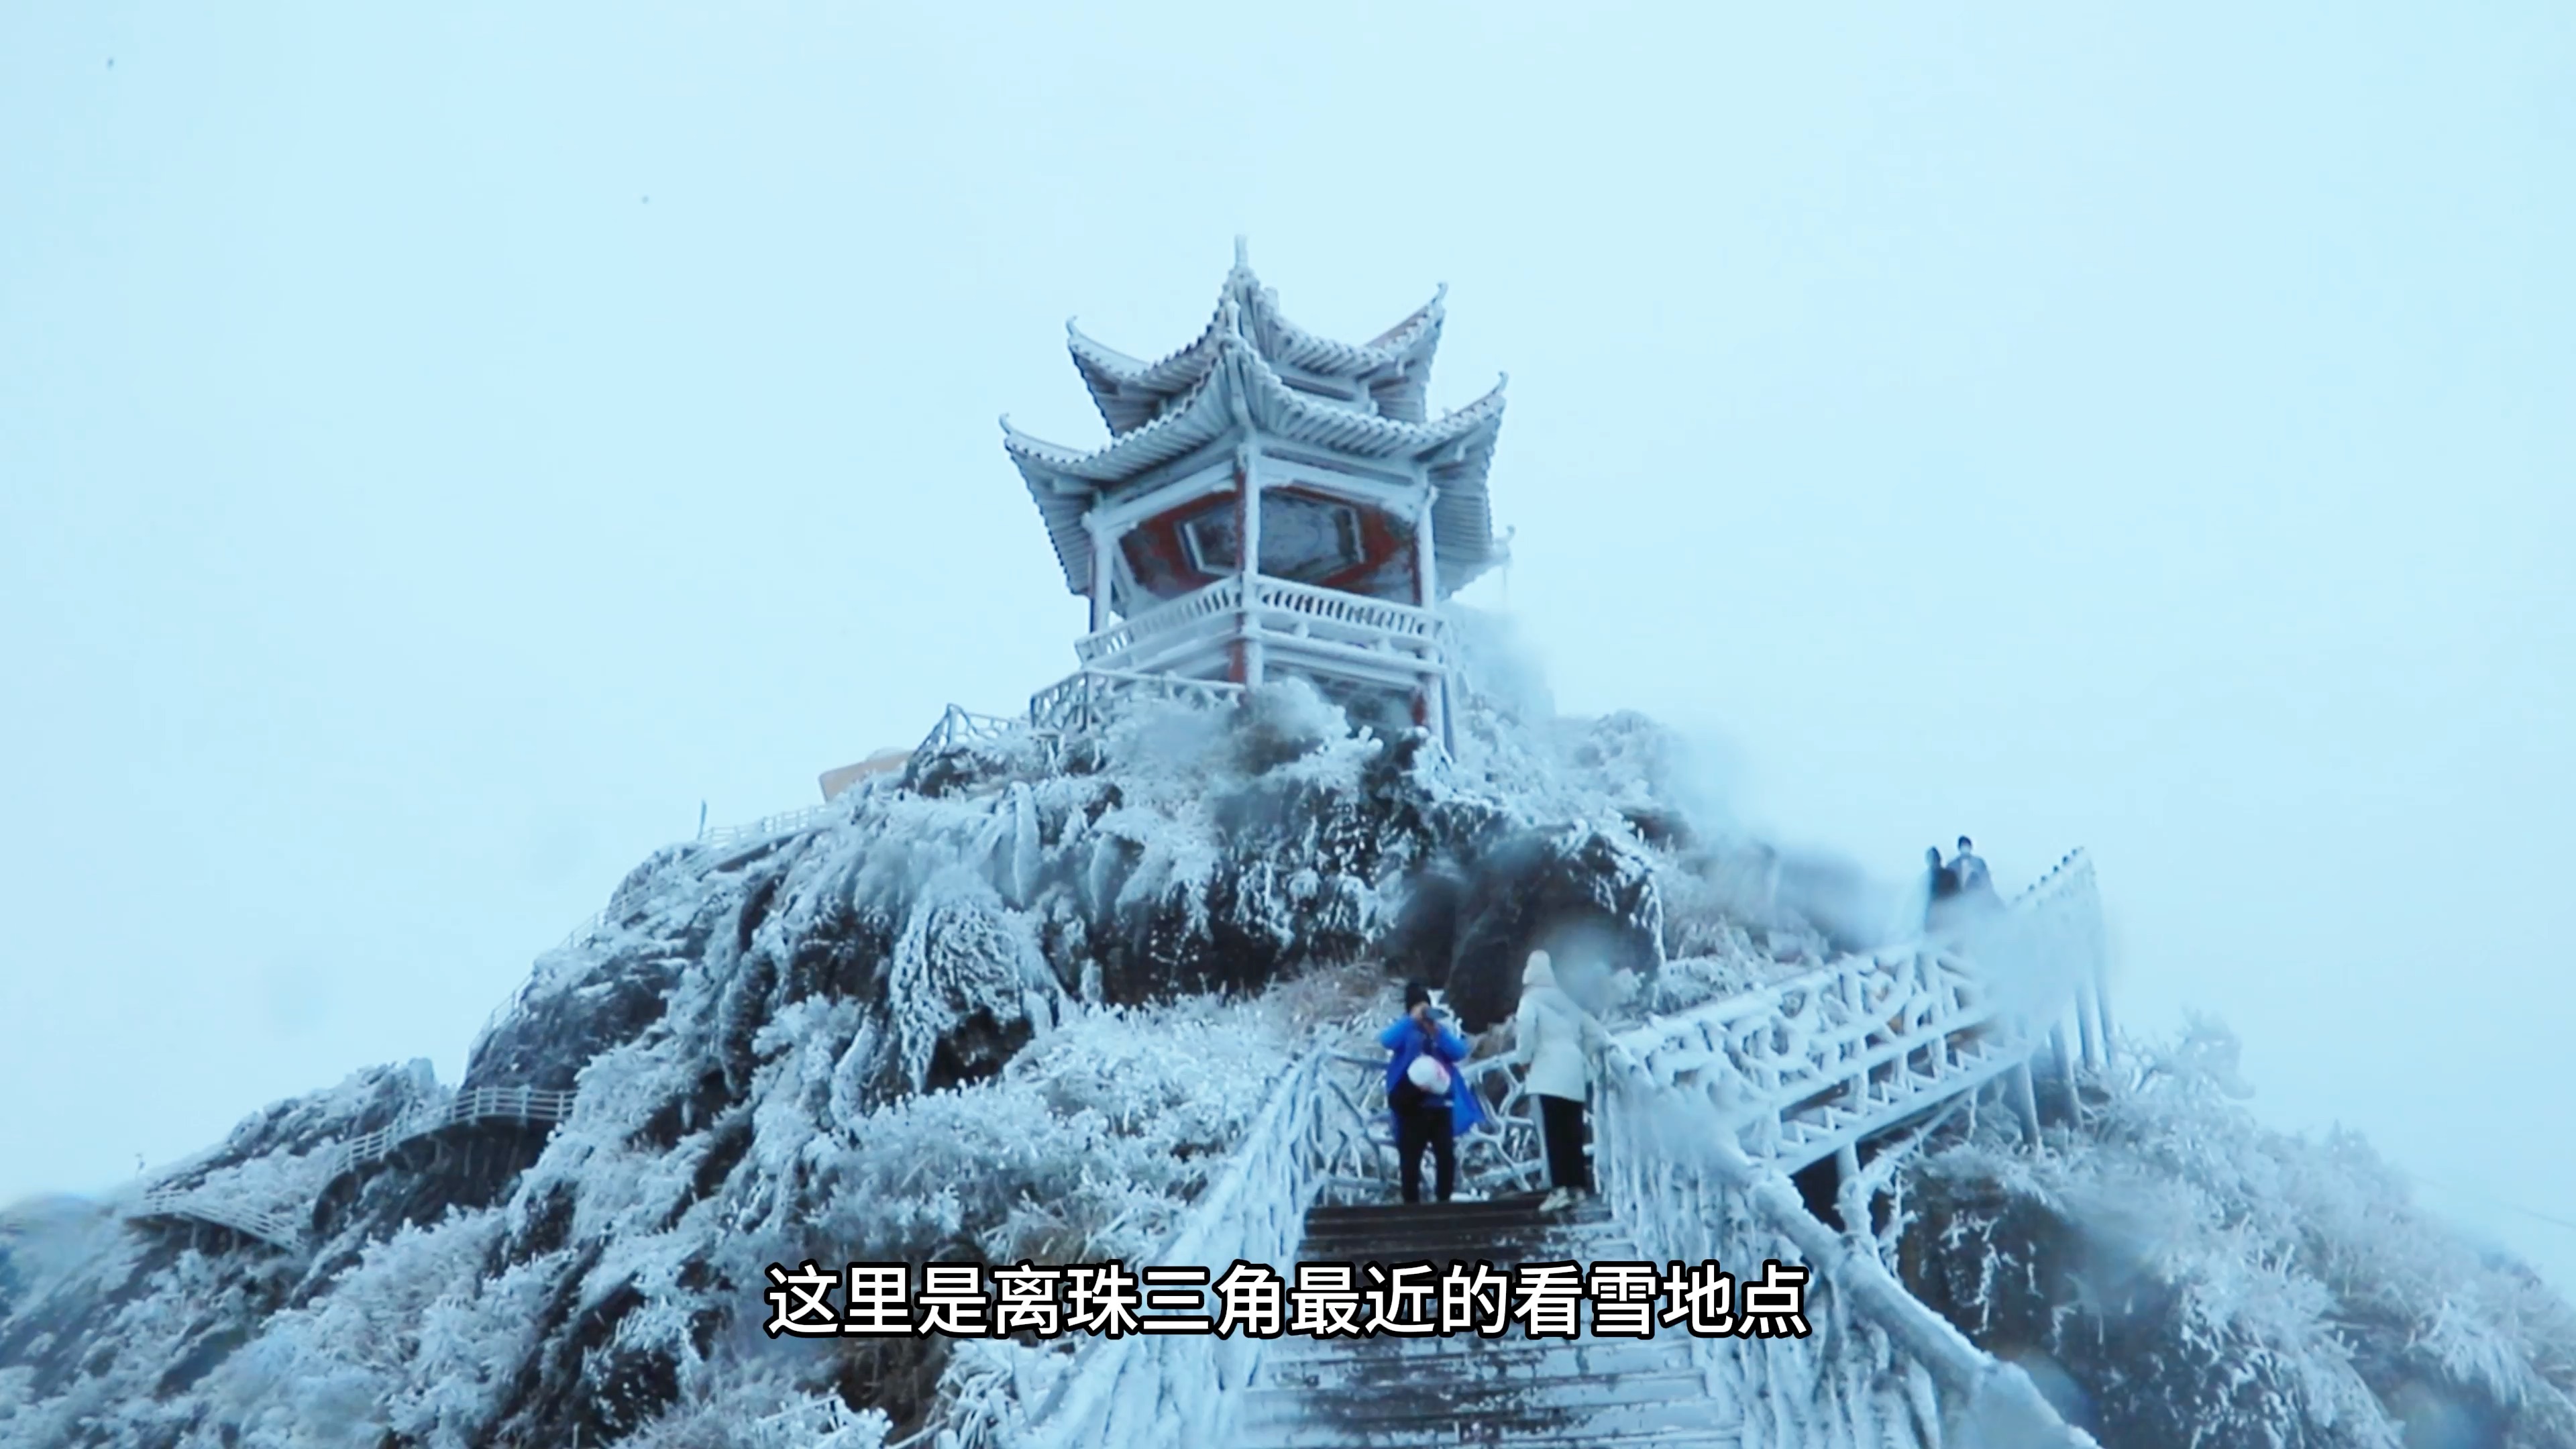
799 1048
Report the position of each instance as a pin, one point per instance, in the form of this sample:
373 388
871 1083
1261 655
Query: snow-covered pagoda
1273 503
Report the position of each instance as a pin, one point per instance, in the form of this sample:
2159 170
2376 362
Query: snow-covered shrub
1020 1004
2201 1280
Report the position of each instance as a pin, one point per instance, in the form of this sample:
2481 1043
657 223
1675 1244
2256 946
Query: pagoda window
1302 539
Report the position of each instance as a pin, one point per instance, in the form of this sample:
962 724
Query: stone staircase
1547 1393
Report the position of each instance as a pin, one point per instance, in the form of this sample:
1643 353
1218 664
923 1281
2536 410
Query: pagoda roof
1238 385
1391 371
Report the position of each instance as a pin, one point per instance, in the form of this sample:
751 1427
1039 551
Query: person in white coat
1555 1042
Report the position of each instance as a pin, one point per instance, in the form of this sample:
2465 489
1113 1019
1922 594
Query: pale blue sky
2145 430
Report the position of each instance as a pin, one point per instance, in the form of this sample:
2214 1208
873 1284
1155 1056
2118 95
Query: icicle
1024 845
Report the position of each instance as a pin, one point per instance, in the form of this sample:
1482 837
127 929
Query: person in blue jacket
1423 1092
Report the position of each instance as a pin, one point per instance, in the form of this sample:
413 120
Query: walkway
285 1225
1700 1121
1546 1392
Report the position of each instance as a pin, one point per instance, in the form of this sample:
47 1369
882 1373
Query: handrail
821 1422
959 726
1665 1162
274 1228
1079 700
1164 618
482 1104
1798 1069
1360 611
1835 1048
2073 871
786 822
1848 1028
1167 1391
1500 1155
1809 1066
1302 606
283 1229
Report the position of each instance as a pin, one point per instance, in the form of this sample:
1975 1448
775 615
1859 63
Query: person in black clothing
1971 872
1943 883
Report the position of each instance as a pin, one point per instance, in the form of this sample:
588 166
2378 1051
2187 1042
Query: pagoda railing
1304 606
1187 618
1329 623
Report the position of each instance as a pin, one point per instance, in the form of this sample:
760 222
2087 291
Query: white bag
1430 1074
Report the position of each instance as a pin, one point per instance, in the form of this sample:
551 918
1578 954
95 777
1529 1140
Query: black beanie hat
1416 994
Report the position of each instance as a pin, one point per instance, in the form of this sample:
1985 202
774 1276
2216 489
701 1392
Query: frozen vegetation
2175 1274
1022 1002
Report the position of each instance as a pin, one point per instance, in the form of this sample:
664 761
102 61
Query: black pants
1560 1127
1426 1125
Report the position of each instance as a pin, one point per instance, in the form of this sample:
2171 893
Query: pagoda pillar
1426 577
1104 554
1247 479
1426 563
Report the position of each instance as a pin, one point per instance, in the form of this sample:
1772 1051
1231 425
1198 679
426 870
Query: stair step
1725 1437
1502 1259
1383 1346
1470 1402
1332 1363
1466 1231
1467 1218
1393 1247
1338 1246
1479 1216
1504 1203
1435 1425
